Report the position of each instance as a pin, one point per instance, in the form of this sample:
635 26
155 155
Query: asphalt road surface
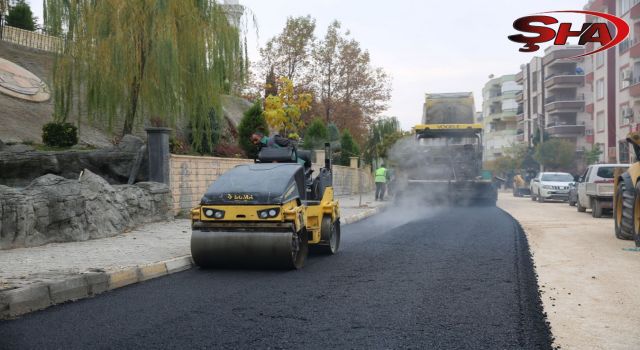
459 278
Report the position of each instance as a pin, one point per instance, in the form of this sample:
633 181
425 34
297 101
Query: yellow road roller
267 214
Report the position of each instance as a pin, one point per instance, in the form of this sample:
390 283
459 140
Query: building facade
553 102
614 81
499 111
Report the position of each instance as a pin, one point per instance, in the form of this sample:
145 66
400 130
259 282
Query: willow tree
165 60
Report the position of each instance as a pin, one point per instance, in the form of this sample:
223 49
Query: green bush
315 135
349 148
21 16
334 133
59 134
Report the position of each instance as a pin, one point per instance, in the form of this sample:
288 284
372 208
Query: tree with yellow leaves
283 111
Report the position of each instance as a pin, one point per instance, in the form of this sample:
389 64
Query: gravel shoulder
589 283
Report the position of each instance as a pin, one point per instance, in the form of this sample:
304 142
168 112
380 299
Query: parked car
551 186
595 188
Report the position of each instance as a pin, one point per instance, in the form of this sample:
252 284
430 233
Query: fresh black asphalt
409 278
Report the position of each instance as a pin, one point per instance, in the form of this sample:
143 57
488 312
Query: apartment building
530 120
499 110
553 99
613 78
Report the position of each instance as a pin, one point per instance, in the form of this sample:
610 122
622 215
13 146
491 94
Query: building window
625 115
625 77
600 121
600 89
625 6
534 81
535 105
623 146
599 59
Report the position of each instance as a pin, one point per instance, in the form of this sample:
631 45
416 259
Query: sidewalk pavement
35 278
588 279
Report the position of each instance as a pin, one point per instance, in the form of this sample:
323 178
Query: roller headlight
269 213
213 213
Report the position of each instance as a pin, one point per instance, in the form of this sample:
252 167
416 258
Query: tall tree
166 59
350 90
326 58
20 16
555 154
4 7
359 83
592 156
383 134
288 53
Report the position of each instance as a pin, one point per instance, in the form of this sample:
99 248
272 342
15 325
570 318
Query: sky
425 46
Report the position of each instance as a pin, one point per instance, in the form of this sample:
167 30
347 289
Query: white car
551 186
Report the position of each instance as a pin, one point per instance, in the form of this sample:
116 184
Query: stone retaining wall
55 209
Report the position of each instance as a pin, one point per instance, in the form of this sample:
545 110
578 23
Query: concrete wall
191 176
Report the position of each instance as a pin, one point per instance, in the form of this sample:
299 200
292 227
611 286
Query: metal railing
551 99
573 73
31 39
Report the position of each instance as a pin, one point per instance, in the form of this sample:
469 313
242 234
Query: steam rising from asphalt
410 162
410 202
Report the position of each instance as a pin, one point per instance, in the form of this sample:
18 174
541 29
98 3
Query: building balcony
519 96
500 134
634 88
589 108
558 54
519 77
565 130
505 115
634 49
564 80
635 10
596 5
509 115
589 78
564 104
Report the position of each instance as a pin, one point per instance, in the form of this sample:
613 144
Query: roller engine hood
257 184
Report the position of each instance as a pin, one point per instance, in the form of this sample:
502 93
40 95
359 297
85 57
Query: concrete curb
361 216
38 296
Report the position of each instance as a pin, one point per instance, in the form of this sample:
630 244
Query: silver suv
551 186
